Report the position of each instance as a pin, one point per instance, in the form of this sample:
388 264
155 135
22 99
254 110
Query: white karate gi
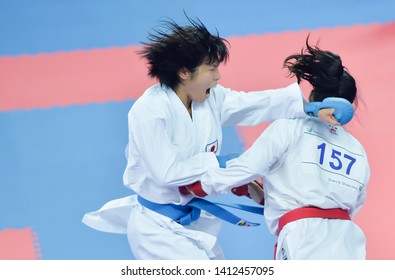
305 162
168 149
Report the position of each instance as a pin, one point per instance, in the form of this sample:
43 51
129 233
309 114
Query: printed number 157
337 159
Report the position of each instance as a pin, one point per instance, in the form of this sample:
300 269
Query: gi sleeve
163 159
255 107
264 155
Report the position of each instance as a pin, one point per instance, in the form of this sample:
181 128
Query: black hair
324 71
176 47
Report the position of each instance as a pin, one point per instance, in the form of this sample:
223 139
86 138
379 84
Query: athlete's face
199 84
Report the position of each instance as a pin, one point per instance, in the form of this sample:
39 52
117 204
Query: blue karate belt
186 214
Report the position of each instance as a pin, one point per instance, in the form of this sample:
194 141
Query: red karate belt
310 212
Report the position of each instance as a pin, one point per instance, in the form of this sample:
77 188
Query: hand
194 189
253 190
326 115
333 110
224 158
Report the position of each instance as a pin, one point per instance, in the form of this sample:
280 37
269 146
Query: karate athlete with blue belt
175 136
315 174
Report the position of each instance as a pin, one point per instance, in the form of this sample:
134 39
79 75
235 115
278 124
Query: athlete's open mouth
208 91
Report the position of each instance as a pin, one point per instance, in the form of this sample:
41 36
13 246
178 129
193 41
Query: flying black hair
324 71
175 47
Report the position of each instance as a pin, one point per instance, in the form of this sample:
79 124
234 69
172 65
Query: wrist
194 189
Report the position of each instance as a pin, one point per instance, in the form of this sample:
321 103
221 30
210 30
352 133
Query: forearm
256 107
164 161
218 180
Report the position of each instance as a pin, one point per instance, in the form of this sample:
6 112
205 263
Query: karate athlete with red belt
315 174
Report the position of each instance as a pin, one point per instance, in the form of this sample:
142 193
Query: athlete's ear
184 74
